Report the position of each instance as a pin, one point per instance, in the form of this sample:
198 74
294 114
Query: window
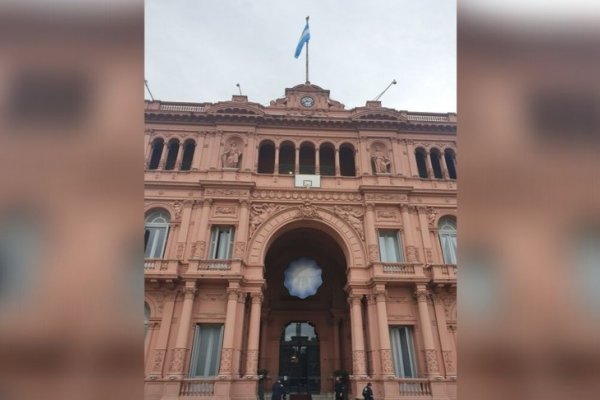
188 155
389 247
155 234
173 149
347 167
157 149
447 231
206 350
403 351
146 318
435 163
449 156
266 158
221 242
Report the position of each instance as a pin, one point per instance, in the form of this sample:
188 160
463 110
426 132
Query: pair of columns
227 367
385 348
165 153
442 162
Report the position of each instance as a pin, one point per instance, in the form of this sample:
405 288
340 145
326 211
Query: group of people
278 391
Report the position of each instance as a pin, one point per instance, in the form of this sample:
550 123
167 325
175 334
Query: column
412 254
422 212
179 157
209 140
425 322
336 343
163 156
254 334
317 161
198 153
397 158
276 167
412 160
297 160
358 341
445 340
387 366
242 231
249 155
337 162
230 322
444 167
238 336
371 234
185 321
373 353
160 349
428 163
201 238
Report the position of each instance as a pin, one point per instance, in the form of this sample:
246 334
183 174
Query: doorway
299 362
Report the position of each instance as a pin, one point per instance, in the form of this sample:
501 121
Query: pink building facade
299 241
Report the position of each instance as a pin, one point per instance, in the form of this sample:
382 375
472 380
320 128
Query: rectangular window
403 351
206 351
390 246
221 242
155 239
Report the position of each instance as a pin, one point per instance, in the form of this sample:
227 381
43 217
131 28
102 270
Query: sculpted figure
380 161
231 158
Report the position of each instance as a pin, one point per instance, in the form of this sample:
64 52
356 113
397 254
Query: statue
231 158
380 161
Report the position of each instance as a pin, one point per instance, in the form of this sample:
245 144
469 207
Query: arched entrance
306 330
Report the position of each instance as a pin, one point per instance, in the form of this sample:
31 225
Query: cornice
296 121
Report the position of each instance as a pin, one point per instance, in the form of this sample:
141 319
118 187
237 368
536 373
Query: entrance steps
321 396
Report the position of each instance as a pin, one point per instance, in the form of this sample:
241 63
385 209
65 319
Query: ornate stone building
299 241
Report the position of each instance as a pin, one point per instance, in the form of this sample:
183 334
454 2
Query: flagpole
307 81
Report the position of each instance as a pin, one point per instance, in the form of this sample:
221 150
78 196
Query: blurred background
71 203
529 204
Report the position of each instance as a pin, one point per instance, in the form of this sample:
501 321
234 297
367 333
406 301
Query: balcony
414 387
213 268
399 271
197 388
160 268
443 273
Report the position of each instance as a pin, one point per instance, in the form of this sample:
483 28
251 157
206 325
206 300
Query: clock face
307 101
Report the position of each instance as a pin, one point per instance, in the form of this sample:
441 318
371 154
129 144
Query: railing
398 268
181 108
155 265
427 118
415 387
214 265
443 272
197 388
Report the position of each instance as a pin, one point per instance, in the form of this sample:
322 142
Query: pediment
231 107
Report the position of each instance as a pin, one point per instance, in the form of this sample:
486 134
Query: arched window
156 230
449 156
307 158
188 154
146 318
347 166
287 158
266 157
435 163
421 163
447 233
172 156
327 159
157 149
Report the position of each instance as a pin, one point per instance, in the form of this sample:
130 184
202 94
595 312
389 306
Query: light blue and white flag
304 38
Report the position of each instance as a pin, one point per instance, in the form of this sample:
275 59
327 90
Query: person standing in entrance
339 389
277 391
368 392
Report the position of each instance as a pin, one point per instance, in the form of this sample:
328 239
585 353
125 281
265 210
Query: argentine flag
304 38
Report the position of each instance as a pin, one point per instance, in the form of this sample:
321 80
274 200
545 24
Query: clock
307 101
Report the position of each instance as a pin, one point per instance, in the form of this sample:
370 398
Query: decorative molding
354 216
448 361
157 360
239 249
298 195
358 362
177 360
386 361
387 213
308 211
226 358
412 254
251 362
386 197
225 211
373 253
431 361
260 212
198 249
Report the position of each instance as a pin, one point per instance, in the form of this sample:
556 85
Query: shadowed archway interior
326 310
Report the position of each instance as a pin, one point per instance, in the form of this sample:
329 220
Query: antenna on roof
239 87
147 88
385 90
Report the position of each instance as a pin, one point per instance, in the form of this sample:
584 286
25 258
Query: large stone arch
349 240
